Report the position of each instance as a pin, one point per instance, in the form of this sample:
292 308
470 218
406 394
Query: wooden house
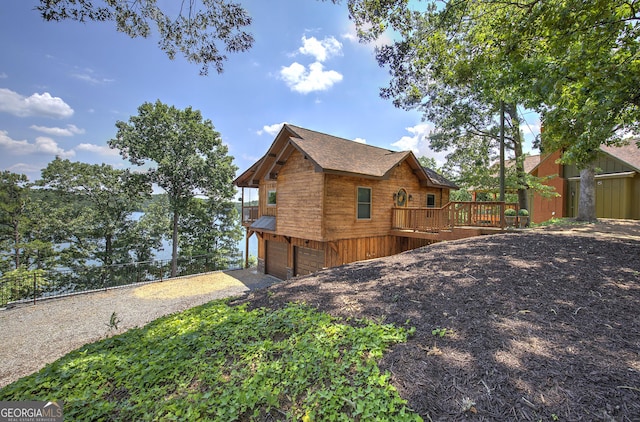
325 201
617 185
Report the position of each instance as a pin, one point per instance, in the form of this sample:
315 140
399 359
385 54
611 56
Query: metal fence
42 284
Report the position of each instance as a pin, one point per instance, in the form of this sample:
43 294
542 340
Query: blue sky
63 86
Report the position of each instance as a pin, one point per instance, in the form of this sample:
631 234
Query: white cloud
42 145
70 130
322 49
24 168
35 105
99 149
352 36
48 146
360 140
303 80
418 142
87 77
271 129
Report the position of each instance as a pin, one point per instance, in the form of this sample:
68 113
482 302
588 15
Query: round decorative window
401 198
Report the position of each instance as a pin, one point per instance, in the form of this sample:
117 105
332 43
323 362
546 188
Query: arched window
401 198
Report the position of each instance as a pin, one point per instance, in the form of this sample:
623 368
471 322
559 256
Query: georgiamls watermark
31 411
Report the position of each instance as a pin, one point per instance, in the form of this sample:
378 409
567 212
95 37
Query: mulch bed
539 325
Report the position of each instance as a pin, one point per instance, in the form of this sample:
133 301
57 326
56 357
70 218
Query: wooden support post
246 247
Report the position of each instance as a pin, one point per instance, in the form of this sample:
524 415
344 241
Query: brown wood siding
342 251
265 187
340 220
351 250
300 199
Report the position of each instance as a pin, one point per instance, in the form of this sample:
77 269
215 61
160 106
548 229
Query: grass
561 222
226 363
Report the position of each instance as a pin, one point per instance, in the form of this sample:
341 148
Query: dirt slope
541 325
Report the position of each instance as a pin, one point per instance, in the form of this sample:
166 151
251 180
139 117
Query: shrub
523 212
510 212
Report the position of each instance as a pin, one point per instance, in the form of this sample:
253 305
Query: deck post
246 247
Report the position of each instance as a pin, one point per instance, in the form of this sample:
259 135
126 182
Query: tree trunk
16 243
174 245
108 249
523 198
587 202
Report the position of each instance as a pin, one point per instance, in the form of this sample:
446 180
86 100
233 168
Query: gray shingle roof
334 155
342 155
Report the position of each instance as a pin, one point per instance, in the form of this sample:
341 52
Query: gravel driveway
35 335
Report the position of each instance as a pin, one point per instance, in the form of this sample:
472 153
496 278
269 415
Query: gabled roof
439 179
530 163
331 154
629 154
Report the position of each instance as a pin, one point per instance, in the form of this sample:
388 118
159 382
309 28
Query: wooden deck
456 220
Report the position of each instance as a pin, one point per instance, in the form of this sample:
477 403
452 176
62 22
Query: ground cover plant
216 362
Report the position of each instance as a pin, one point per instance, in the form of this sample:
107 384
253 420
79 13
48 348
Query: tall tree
436 68
575 62
187 153
586 80
212 228
14 195
96 202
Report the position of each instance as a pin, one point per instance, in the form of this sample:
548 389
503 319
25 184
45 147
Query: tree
212 228
201 30
575 62
188 155
586 70
436 68
153 226
39 230
94 207
14 195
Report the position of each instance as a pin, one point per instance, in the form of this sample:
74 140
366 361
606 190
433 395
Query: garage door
308 261
276 264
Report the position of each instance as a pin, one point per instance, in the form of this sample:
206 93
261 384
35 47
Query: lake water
165 253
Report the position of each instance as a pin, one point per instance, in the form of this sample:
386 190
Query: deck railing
420 219
249 215
475 214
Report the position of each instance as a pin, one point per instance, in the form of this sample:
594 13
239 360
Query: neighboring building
325 201
617 185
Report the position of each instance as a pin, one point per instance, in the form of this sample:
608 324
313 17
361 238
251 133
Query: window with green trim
271 198
431 200
364 204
